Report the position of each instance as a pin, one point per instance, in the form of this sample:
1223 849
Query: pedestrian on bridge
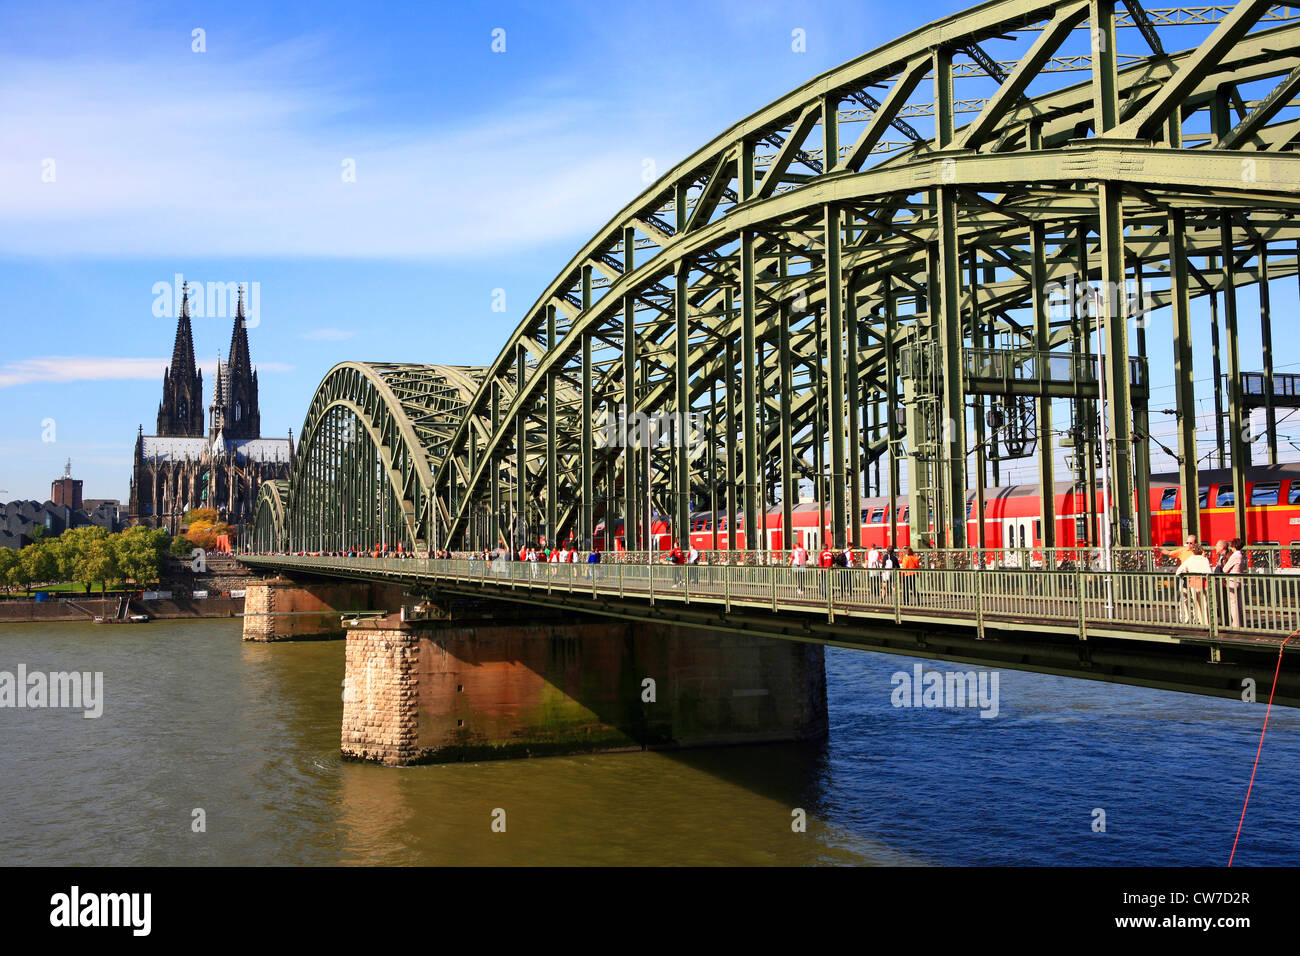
825 561
1234 566
799 561
1221 553
873 570
889 565
677 558
1194 571
1182 554
847 560
910 563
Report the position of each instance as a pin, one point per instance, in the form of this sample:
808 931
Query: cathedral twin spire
181 410
234 413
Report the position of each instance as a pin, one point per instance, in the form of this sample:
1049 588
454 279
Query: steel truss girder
684 289
405 415
977 171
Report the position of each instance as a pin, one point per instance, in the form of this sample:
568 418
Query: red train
1012 519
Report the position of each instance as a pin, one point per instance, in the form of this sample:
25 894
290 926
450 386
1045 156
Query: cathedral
180 467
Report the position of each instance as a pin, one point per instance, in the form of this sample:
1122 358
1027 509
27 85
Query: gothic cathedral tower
234 405
180 413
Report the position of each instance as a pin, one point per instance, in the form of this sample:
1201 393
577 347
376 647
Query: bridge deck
1141 606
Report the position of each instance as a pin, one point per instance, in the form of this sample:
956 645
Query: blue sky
474 171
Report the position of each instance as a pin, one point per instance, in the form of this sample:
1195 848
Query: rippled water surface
195 718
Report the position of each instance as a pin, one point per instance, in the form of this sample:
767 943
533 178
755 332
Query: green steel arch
836 280
363 472
270 521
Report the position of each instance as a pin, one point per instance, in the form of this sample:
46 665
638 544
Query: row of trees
88 556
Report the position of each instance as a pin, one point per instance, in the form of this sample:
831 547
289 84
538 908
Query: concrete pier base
424 692
281 609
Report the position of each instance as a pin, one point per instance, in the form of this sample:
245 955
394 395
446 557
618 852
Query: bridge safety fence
1217 606
1259 558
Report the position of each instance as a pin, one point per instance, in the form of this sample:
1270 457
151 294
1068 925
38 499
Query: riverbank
86 609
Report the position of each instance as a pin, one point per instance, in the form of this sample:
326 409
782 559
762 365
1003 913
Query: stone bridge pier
492 680
284 609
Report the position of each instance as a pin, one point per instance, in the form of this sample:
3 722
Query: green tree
78 553
36 564
182 547
98 564
8 559
138 553
70 550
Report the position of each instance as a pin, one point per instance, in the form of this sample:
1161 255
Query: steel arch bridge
364 468
871 271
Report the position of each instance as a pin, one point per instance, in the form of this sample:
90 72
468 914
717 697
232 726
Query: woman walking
1234 566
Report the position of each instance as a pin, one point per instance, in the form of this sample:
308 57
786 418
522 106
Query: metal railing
1259 558
1217 606
1032 365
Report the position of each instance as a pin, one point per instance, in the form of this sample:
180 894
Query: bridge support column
282 609
433 692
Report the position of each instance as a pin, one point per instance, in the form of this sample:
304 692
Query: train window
1038 529
864 516
902 515
1265 493
1225 498
1169 500
1293 496
1204 497
1081 529
877 515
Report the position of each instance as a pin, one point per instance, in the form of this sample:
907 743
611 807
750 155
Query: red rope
1276 671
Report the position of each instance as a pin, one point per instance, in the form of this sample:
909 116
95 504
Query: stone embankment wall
83 609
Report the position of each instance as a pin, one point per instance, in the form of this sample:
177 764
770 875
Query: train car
660 532
1272 508
1012 517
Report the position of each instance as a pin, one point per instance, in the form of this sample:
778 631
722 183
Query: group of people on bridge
1195 573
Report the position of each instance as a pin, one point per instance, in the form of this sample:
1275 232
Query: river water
196 720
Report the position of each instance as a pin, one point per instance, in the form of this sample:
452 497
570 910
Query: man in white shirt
1194 569
799 561
873 572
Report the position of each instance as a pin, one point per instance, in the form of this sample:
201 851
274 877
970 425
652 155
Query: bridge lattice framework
822 301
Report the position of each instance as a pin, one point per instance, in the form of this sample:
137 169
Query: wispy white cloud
177 157
75 368
54 369
328 335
